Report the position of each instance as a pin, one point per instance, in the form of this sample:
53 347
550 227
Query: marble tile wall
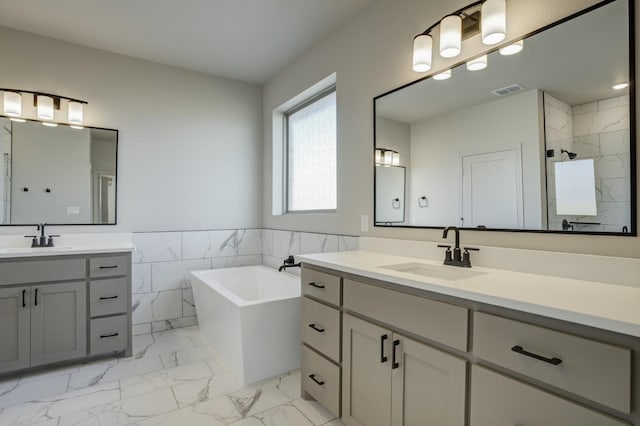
162 295
600 130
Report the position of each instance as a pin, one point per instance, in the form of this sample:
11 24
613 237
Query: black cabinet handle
316 285
316 328
24 302
552 361
36 297
110 297
109 267
394 362
104 336
383 358
313 377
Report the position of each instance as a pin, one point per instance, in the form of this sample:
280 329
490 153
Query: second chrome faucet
456 257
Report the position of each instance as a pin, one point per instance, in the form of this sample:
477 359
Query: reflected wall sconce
485 17
387 157
46 104
423 202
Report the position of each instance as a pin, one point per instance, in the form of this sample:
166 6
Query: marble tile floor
174 378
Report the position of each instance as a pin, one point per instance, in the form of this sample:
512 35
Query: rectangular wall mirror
482 148
57 175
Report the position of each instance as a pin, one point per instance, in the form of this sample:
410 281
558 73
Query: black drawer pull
36 298
316 285
109 267
110 297
316 328
520 350
313 377
383 358
104 336
24 302
394 362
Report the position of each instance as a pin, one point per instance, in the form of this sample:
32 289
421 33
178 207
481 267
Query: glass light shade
422 53
12 104
443 75
477 64
395 159
450 36
44 107
75 113
512 49
388 158
494 21
378 156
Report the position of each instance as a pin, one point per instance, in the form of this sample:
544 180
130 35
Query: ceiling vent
507 90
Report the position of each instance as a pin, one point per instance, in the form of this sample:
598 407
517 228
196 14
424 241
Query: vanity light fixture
512 49
477 64
485 17
444 75
46 104
620 86
387 157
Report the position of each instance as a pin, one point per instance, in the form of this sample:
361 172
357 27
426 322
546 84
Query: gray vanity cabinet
58 322
15 323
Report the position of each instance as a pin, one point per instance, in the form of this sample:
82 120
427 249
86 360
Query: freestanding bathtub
251 318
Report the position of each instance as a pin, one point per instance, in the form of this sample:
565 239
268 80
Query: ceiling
247 40
576 62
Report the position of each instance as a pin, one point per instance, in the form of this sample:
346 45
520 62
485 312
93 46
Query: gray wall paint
371 54
189 144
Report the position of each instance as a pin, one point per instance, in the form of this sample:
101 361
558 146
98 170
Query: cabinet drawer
36 271
107 297
321 328
322 286
326 386
497 400
108 335
595 370
433 320
109 266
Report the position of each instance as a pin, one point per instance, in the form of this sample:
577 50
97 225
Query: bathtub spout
289 262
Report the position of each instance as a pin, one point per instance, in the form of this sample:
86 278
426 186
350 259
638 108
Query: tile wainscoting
162 295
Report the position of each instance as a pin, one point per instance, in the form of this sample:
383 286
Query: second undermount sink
449 273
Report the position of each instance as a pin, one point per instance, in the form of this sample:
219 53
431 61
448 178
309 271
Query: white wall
438 144
371 54
189 144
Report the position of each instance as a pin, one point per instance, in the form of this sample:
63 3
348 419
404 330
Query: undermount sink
449 273
10 250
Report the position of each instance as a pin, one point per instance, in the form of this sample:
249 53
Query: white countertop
61 251
601 305
12 246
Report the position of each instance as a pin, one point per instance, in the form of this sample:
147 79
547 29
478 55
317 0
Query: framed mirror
541 141
57 175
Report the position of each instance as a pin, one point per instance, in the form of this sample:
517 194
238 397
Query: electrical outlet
73 210
364 223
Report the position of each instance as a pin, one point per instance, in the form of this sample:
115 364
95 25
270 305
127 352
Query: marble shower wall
161 285
600 130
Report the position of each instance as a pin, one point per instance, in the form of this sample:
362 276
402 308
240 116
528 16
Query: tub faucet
457 258
289 262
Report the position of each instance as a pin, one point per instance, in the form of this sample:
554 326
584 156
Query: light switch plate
73 210
364 223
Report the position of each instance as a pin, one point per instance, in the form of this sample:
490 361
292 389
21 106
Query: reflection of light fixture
443 75
620 86
387 157
18 120
485 17
45 105
571 155
450 36
422 53
12 104
477 64
49 124
494 21
512 49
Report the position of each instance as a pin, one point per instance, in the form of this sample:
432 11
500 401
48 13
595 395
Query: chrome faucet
457 258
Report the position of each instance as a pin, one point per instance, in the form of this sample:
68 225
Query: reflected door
492 190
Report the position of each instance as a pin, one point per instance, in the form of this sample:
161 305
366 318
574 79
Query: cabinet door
428 385
366 381
14 328
58 322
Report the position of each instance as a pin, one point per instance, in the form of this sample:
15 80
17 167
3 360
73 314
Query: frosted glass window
311 155
576 188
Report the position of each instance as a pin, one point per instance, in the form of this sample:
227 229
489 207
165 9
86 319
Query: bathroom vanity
63 305
387 344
